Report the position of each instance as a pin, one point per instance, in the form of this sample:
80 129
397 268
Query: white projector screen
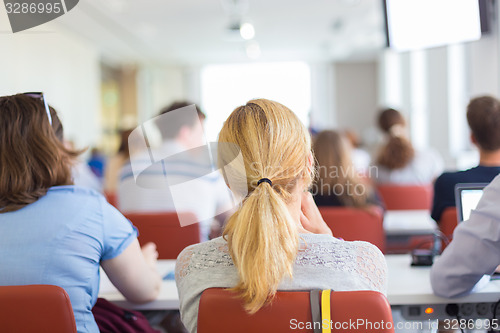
419 24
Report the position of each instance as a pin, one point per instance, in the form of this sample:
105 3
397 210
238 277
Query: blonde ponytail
262 236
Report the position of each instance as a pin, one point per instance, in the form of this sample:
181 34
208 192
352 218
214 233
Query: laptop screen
467 197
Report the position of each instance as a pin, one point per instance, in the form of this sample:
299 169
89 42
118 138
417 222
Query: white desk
167 300
408 223
411 285
407 286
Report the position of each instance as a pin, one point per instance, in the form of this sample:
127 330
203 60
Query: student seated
53 232
181 134
277 239
337 182
483 116
397 161
473 252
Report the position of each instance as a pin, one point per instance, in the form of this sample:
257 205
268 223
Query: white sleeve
474 251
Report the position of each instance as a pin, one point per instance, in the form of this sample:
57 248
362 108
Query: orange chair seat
353 224
35 308
221 311
165 231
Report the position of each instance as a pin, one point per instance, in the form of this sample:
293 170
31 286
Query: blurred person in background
338 182
398 162
483 117
181 134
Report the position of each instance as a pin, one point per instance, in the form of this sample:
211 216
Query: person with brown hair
397 161
277 239
483 116
53 232
337 182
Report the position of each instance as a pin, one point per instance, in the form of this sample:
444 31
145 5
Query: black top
444 187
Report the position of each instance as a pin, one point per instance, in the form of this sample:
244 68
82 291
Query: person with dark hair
54 232
337 182
181 158
398 162
483 116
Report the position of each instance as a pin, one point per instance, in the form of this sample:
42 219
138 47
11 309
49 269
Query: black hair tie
266 180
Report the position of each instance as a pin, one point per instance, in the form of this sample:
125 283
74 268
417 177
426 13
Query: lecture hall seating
165 231
221 311
353 224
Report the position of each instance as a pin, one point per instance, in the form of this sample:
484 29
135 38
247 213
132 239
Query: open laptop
467 196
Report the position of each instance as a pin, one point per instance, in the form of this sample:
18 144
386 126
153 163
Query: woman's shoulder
75 190
320 248
210 254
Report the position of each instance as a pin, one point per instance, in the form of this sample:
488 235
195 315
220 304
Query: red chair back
354 224
165 231
448 222
112 198
222 311
397 197
35 308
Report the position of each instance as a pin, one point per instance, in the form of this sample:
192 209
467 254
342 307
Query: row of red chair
347 223
395 197
49 310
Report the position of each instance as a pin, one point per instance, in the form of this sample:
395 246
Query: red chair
448 223
35 308
112 198
221 311
165 231
397 197
354 224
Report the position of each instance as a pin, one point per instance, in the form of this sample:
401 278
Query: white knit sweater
323 262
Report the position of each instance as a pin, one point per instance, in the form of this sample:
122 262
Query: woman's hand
310 217
150 254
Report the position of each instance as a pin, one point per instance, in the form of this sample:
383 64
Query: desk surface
408 222
407 285
167 300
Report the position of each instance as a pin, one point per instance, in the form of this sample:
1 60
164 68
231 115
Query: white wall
433 87
356 96
64 67
323 114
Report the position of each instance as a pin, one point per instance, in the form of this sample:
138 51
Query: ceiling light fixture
247 31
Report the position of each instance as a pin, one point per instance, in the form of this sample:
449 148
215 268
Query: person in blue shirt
483 116
53 232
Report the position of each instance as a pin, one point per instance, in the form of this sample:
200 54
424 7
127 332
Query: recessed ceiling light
247 31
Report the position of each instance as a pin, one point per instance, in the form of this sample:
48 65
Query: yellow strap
325 311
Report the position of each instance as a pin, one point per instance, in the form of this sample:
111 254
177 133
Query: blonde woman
276 240
337 181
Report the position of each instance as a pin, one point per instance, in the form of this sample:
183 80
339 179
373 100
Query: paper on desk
418 220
